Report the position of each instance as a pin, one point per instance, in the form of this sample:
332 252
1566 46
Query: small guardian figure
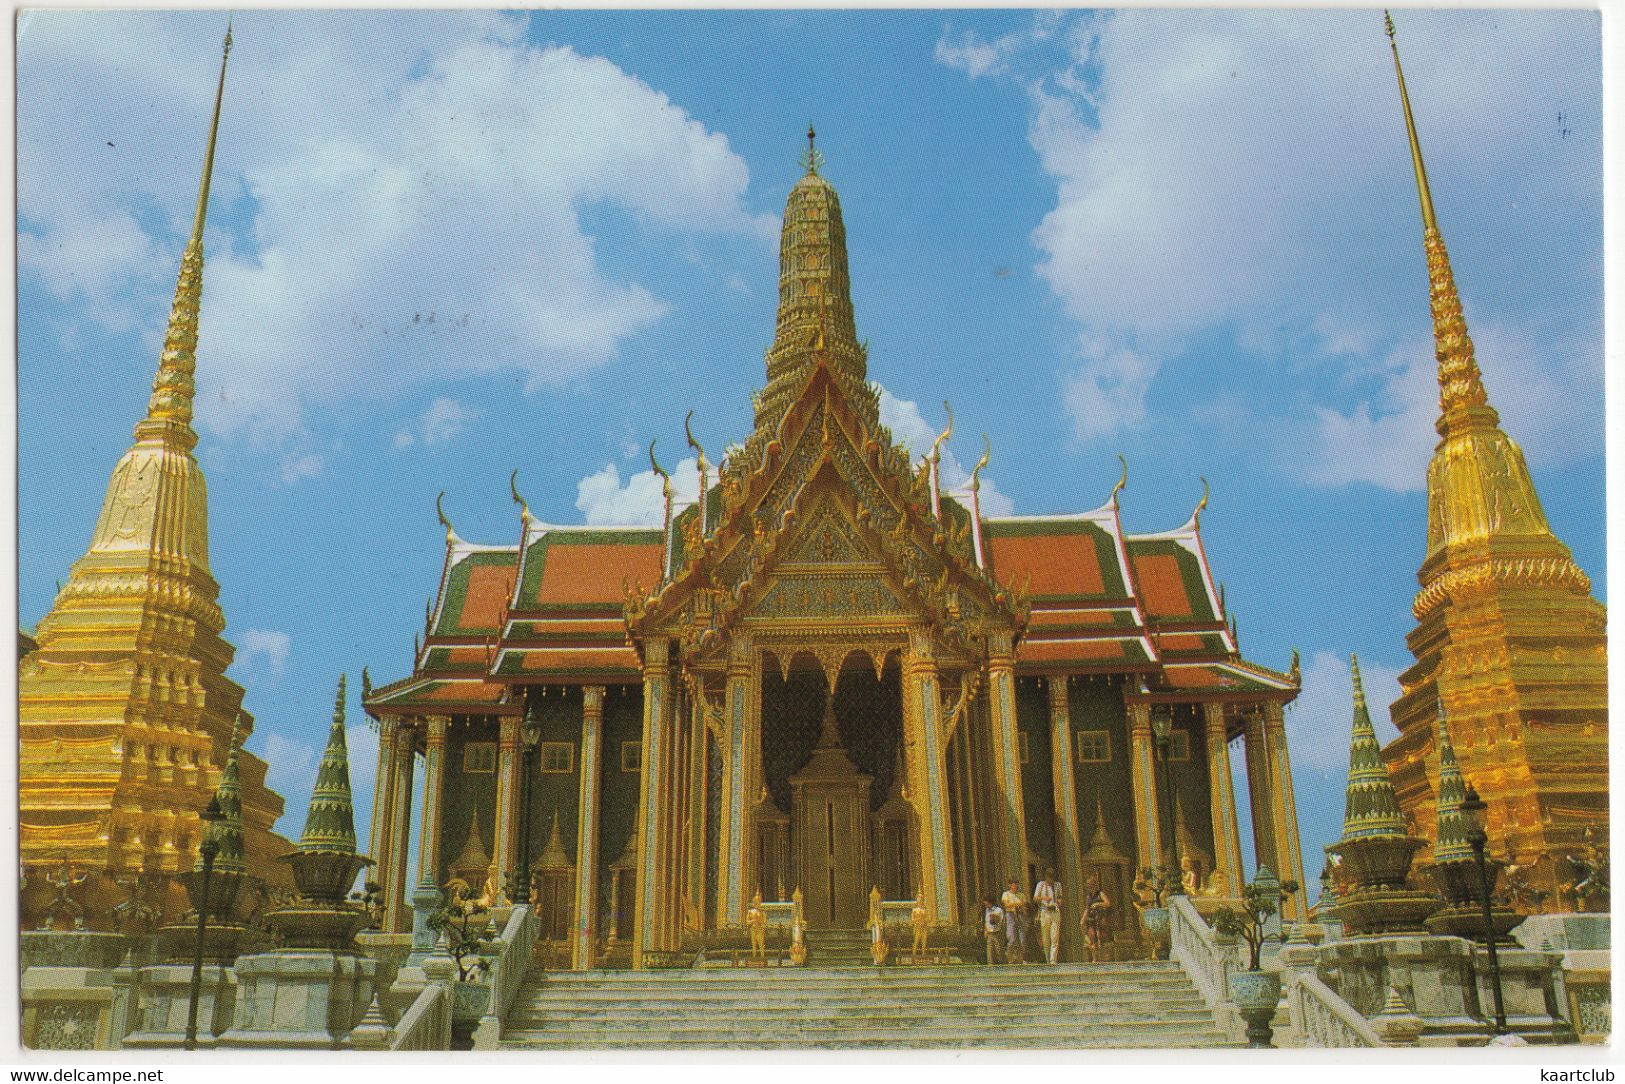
756 923
920 919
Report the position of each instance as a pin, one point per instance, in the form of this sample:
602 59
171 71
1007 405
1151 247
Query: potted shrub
1256 992
1149 889
462 921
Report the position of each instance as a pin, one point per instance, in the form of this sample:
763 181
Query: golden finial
1296 672
513 488
440 511
665 479
692 443
976 471
812 160
169 410
936 445
1201 504
1121 482
1410 127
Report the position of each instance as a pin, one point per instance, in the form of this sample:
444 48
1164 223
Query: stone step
964 1042
972 1034
1121 1005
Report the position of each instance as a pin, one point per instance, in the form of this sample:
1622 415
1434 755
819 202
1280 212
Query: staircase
1138 1004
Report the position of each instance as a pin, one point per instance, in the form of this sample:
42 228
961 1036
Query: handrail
1322 1018
507 973
426 1025
1206 961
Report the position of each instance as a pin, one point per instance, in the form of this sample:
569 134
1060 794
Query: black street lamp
531 735
1162 726
208 847
1475 810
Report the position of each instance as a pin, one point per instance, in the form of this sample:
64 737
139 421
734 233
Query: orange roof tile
1162 588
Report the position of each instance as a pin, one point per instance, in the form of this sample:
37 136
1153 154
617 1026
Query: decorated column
434 755
927 776
383 798
1222 802
1067 842
735 830
1143 786
1259 785
584 935
1284 811
654 810
400 827
1001 674
505 845
694 858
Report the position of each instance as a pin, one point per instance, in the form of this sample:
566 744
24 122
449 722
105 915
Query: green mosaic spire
1452 845
228 832
330 824
1373 808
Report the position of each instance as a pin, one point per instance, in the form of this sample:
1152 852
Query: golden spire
1463 402
1478 485
815 319
169 411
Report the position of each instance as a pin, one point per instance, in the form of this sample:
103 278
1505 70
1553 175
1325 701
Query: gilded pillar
505 847
1068 841
736 830
1284 807
654 804
1222 802
400 827
434 755
1001 674
383 799
926 765
1143 786
675 786
1259 785
584 935
694 856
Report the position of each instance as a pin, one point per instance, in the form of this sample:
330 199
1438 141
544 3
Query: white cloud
1245 175
443 420
412 186
1106 392
909 427
604 500
264 645
1319 721
1385 443
977 57
295 466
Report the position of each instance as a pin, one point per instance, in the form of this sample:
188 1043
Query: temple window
1179 745
480 758
631 756
1094 746
558 757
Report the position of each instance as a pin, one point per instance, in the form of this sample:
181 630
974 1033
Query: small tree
462 918
1260 899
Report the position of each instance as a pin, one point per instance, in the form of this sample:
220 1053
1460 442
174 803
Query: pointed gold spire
169 411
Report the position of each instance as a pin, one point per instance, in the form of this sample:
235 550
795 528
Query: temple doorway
829 764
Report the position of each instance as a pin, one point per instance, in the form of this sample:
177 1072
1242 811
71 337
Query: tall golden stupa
126 712
1509 643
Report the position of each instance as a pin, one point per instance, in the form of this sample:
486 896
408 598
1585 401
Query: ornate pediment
829 522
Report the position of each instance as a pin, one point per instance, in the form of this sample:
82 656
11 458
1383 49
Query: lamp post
530 734
1162 725
208 847
1475 810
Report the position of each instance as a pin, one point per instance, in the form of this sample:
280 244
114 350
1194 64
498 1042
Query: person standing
992 928
1096 911
1015 922
1047 899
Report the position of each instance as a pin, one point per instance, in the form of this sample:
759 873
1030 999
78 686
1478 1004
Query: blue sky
443 246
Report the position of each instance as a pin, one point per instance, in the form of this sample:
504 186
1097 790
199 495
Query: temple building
126 712
1510 646
825 675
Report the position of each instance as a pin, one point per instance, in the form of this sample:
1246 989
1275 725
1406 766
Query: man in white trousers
1047 900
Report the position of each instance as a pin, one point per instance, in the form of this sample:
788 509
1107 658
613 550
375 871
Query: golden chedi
126 713
1508 637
